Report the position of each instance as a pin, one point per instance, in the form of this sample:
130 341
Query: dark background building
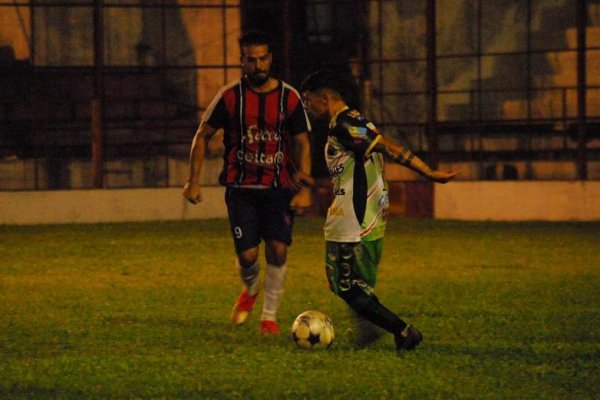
108 93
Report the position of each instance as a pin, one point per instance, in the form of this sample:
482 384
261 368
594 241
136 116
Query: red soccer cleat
242 307
269 328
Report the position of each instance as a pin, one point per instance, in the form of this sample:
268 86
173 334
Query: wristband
405 158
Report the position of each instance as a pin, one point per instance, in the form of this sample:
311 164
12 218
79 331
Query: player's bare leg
248 266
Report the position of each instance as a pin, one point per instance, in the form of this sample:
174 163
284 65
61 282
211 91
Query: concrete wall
518 201
507 201
92 206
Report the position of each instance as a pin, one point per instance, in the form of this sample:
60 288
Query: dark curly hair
254 37
325 79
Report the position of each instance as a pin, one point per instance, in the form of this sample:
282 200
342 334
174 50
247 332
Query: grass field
508 311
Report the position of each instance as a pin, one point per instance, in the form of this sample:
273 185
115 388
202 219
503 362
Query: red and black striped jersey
258 130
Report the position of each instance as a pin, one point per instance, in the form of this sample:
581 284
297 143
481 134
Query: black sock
369 307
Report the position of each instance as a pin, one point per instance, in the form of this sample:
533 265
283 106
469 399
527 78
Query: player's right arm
191 190
407 158
363 136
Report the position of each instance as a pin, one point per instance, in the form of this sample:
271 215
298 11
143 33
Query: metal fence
491 84
108 93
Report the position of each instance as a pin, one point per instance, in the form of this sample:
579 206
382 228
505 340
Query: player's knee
277 259
276 252
248 258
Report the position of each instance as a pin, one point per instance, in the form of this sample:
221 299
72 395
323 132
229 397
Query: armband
405 158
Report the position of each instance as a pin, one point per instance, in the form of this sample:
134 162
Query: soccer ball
312 330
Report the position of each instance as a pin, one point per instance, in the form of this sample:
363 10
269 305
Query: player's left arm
410 160
298 125
301 155
301 158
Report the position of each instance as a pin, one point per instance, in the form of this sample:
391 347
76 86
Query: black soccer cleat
408 339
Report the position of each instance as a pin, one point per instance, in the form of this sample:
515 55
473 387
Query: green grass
508 310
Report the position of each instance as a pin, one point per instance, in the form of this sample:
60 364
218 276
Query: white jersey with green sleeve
360 204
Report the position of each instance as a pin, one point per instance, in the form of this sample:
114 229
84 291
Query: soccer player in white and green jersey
356 219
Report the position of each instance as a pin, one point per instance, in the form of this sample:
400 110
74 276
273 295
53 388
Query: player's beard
258 79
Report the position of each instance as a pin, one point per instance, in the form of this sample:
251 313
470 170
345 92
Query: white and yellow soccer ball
313 330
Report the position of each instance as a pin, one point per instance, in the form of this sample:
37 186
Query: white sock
250 277
274 279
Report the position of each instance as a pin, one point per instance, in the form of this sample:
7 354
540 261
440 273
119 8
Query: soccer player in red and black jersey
266 172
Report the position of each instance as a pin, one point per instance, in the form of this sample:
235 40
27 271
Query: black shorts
259 214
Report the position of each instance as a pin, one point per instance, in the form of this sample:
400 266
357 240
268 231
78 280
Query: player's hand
302 180
192 193
442 176
301 201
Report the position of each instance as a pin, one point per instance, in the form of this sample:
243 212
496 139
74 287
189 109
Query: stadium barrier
476 201
109 205
518 201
